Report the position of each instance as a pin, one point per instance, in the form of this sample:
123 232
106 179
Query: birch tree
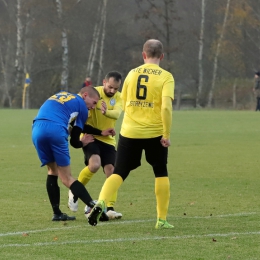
200 57
93 48
5 89
98 41
104 13
215 64
65 48
7 53
19 48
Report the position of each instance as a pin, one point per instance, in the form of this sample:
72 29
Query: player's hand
86 139
103 107
109 131
165 142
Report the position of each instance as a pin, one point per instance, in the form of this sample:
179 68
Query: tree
65 47
161 15
7 50
215 64
200 56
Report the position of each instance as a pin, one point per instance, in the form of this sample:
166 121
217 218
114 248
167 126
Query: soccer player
50 138
147 96
102 151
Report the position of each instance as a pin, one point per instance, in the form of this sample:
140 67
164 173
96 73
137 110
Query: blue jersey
62 108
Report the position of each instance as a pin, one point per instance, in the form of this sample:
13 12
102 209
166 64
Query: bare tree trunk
94 45
234 99
6 94
27 59
215 68
104 13
19 50
167 25
201 46
7 59
65 47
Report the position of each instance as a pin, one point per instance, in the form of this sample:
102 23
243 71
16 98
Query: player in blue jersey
50 133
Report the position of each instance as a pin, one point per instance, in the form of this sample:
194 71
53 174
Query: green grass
215 196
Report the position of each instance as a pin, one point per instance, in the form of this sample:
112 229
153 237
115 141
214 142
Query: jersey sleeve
82 117
116 112
124 91
168 87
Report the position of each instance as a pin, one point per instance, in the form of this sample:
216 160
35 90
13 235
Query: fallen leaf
55 238
214 240
233 238
25 234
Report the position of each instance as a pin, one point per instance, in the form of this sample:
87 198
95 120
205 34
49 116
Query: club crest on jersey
112 101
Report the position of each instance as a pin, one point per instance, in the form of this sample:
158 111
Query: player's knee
94 166
108 170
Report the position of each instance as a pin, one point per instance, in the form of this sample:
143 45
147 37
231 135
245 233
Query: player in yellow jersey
102 151
147 96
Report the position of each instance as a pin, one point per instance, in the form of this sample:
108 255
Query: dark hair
153 48
114 74
257 73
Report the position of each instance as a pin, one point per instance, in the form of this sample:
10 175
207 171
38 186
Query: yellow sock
112 200
110 187
162 193
85 176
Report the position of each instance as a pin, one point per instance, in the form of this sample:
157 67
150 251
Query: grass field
215 196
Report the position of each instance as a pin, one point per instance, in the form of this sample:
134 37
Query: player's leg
92 162
127 148
111 213
42 140
53 191
62 158
258 103
108 157
156 156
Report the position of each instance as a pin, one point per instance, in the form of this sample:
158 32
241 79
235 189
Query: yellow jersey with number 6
142 94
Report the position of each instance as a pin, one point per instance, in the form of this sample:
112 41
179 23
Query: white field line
122 222
99 241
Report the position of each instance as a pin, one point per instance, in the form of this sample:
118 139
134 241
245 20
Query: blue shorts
51 142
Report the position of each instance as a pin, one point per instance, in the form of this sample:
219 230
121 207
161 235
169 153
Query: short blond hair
90 90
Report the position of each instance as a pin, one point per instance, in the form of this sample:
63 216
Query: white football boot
73 206
113 214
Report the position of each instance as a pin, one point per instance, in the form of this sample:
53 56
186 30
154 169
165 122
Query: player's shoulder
117 95
99 88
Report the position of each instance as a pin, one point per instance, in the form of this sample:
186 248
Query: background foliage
60 42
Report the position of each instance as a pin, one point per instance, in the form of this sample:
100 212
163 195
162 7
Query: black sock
79 191
53 191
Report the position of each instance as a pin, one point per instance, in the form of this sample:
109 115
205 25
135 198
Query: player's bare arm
109 131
